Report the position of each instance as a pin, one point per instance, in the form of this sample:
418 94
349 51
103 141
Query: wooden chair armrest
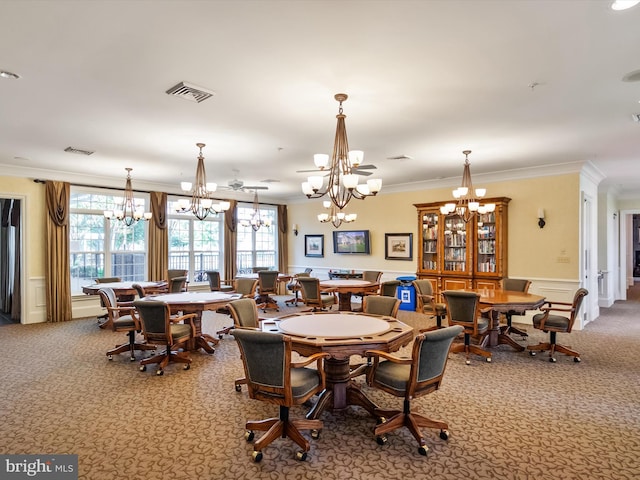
188 316
313 358
387 356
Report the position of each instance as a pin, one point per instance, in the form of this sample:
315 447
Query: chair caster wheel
301 456
143 368
552 360
423 449
468 362
238 388
256 456
380 420
110 357
220 337
159 372
187 366
488 360
532 353
444 434
132 358
249 436
381 439
315 434
577 359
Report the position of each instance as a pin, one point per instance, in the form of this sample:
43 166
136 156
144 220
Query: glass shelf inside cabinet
455 244
430 241
486 243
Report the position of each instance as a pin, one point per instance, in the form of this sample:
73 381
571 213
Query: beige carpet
519 417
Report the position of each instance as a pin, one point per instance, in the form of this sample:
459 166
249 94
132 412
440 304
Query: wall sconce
295 229
541 222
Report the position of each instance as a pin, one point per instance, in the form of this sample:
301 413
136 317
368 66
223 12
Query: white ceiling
520 83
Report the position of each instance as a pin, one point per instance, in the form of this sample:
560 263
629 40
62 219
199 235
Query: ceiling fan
359 170
238 185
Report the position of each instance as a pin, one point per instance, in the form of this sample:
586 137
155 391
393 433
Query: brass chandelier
335 216
201 204
128 213
256 221
342 185
468 198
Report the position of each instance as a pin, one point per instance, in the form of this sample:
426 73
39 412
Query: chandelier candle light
343 182
467 197
202 203
128 212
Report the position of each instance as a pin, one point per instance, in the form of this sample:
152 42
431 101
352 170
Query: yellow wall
532 252
33 218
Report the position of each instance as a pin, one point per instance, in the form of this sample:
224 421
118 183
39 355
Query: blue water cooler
406 293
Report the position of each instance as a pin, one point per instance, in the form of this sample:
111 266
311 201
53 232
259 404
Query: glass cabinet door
430 241
455 244
486 251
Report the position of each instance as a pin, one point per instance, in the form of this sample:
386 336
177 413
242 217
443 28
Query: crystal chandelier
128 213
201 203
343 182
467 197
335 216
255 221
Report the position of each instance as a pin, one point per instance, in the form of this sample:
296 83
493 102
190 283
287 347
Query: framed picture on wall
314 245
398 246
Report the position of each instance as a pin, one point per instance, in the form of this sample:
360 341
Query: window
257 248
100 247
195 245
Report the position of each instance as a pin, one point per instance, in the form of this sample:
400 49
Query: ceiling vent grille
636 117
190 92
78 151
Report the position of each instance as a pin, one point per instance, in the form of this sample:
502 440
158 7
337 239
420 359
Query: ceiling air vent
78 151
636 117
190 92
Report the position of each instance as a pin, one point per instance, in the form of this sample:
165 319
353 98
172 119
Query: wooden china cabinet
454 255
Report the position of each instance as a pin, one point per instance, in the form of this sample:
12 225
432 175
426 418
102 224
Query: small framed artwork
314 245
398 246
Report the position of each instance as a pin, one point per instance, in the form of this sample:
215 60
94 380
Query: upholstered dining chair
313 296
389 288
372 276
272 377
159 328
122 317
513 285
108 279
555 323
380 305
245 287
463 308
244 312
216 284
267 285
294 286
411 378
427 301
139 290
178 284
176 272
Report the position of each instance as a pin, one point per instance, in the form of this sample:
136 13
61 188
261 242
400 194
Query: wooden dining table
124 292
503 301
196 302
346 288
340 335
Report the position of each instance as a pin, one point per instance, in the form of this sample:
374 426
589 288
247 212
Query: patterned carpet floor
519 417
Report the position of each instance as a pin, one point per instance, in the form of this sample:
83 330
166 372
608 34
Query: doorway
10 262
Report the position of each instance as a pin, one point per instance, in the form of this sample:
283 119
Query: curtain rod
38 180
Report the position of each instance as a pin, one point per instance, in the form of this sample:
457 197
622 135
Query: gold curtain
283 242
158 259
58 272
230 249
